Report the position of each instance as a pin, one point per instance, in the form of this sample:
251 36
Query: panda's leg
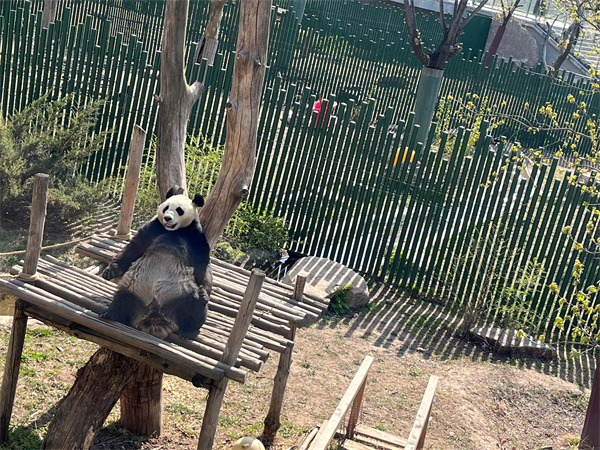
188 312
126 307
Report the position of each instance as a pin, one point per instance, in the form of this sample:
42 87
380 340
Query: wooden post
273 419
36 227
132 182
49 14
355 411
142 402
230 354
590 435
11 369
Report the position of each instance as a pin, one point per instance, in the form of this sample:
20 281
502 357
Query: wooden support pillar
142 402
132 182
230 354
273 419
36 227
11 370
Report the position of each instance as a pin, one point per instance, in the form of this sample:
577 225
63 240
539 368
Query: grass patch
22 438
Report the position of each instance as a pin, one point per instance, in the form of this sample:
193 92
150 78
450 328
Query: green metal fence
343 177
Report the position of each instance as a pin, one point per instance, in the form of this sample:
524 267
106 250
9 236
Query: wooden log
378 435
132 181
234 343
49 13
150 359
11 369
272 421
142 402
83 411
36 226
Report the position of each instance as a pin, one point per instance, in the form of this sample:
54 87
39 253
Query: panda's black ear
198 200
175 190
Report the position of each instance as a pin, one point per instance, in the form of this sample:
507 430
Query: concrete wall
517 42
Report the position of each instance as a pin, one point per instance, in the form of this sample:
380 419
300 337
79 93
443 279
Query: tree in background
506 14
207 47
434 61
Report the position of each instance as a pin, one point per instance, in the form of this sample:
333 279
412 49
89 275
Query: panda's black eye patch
179 211
165 209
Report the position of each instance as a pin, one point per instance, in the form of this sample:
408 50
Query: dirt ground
482 401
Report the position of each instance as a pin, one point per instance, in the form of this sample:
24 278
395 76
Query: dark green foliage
251 229
42 139
21 438
337 303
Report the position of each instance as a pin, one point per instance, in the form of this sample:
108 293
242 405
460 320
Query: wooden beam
382 436
132 182
416 439
336 419
230 354
273 419
11 370
36 226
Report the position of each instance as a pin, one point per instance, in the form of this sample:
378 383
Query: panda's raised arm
135 249
199 255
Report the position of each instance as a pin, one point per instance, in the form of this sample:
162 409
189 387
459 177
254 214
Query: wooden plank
336 419
419 430
372 433
352 445
311 436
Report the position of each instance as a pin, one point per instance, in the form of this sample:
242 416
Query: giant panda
166 276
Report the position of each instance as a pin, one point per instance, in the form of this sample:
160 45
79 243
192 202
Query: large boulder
324 276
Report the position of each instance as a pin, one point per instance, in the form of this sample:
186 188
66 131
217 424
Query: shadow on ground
395 320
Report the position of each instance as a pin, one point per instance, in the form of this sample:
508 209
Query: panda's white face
178 211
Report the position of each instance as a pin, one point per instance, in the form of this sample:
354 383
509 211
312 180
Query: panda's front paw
112 271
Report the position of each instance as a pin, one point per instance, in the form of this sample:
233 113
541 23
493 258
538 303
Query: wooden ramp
360 437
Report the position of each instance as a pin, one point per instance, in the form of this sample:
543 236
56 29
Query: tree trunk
243 109
49 14
210 41
590 436
141 403
83 411
81 414
572 35
176 101
495 44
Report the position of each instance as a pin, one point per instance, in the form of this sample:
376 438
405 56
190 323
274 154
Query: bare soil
483 401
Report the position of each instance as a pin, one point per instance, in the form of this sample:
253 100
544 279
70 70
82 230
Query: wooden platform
71 298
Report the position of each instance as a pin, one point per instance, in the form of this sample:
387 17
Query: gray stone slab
324 276
508 342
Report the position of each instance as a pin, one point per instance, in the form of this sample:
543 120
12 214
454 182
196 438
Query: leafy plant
337 303
43 138
488 264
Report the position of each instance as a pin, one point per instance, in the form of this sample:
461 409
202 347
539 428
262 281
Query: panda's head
178 211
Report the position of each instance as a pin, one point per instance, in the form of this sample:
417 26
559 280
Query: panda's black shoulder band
140 243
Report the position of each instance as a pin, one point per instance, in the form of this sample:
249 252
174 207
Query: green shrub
41 138
337 303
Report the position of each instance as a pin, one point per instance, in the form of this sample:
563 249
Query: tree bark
210 40
571 37
590 435
495 44
243 109
49 13
83 411
142 403
176 100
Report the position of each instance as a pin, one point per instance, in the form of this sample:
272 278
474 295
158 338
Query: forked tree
104 378
434 61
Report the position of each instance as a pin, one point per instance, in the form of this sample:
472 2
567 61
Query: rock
507 341
324 276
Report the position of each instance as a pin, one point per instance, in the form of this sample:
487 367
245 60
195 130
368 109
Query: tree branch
473 13
413 32
442 19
